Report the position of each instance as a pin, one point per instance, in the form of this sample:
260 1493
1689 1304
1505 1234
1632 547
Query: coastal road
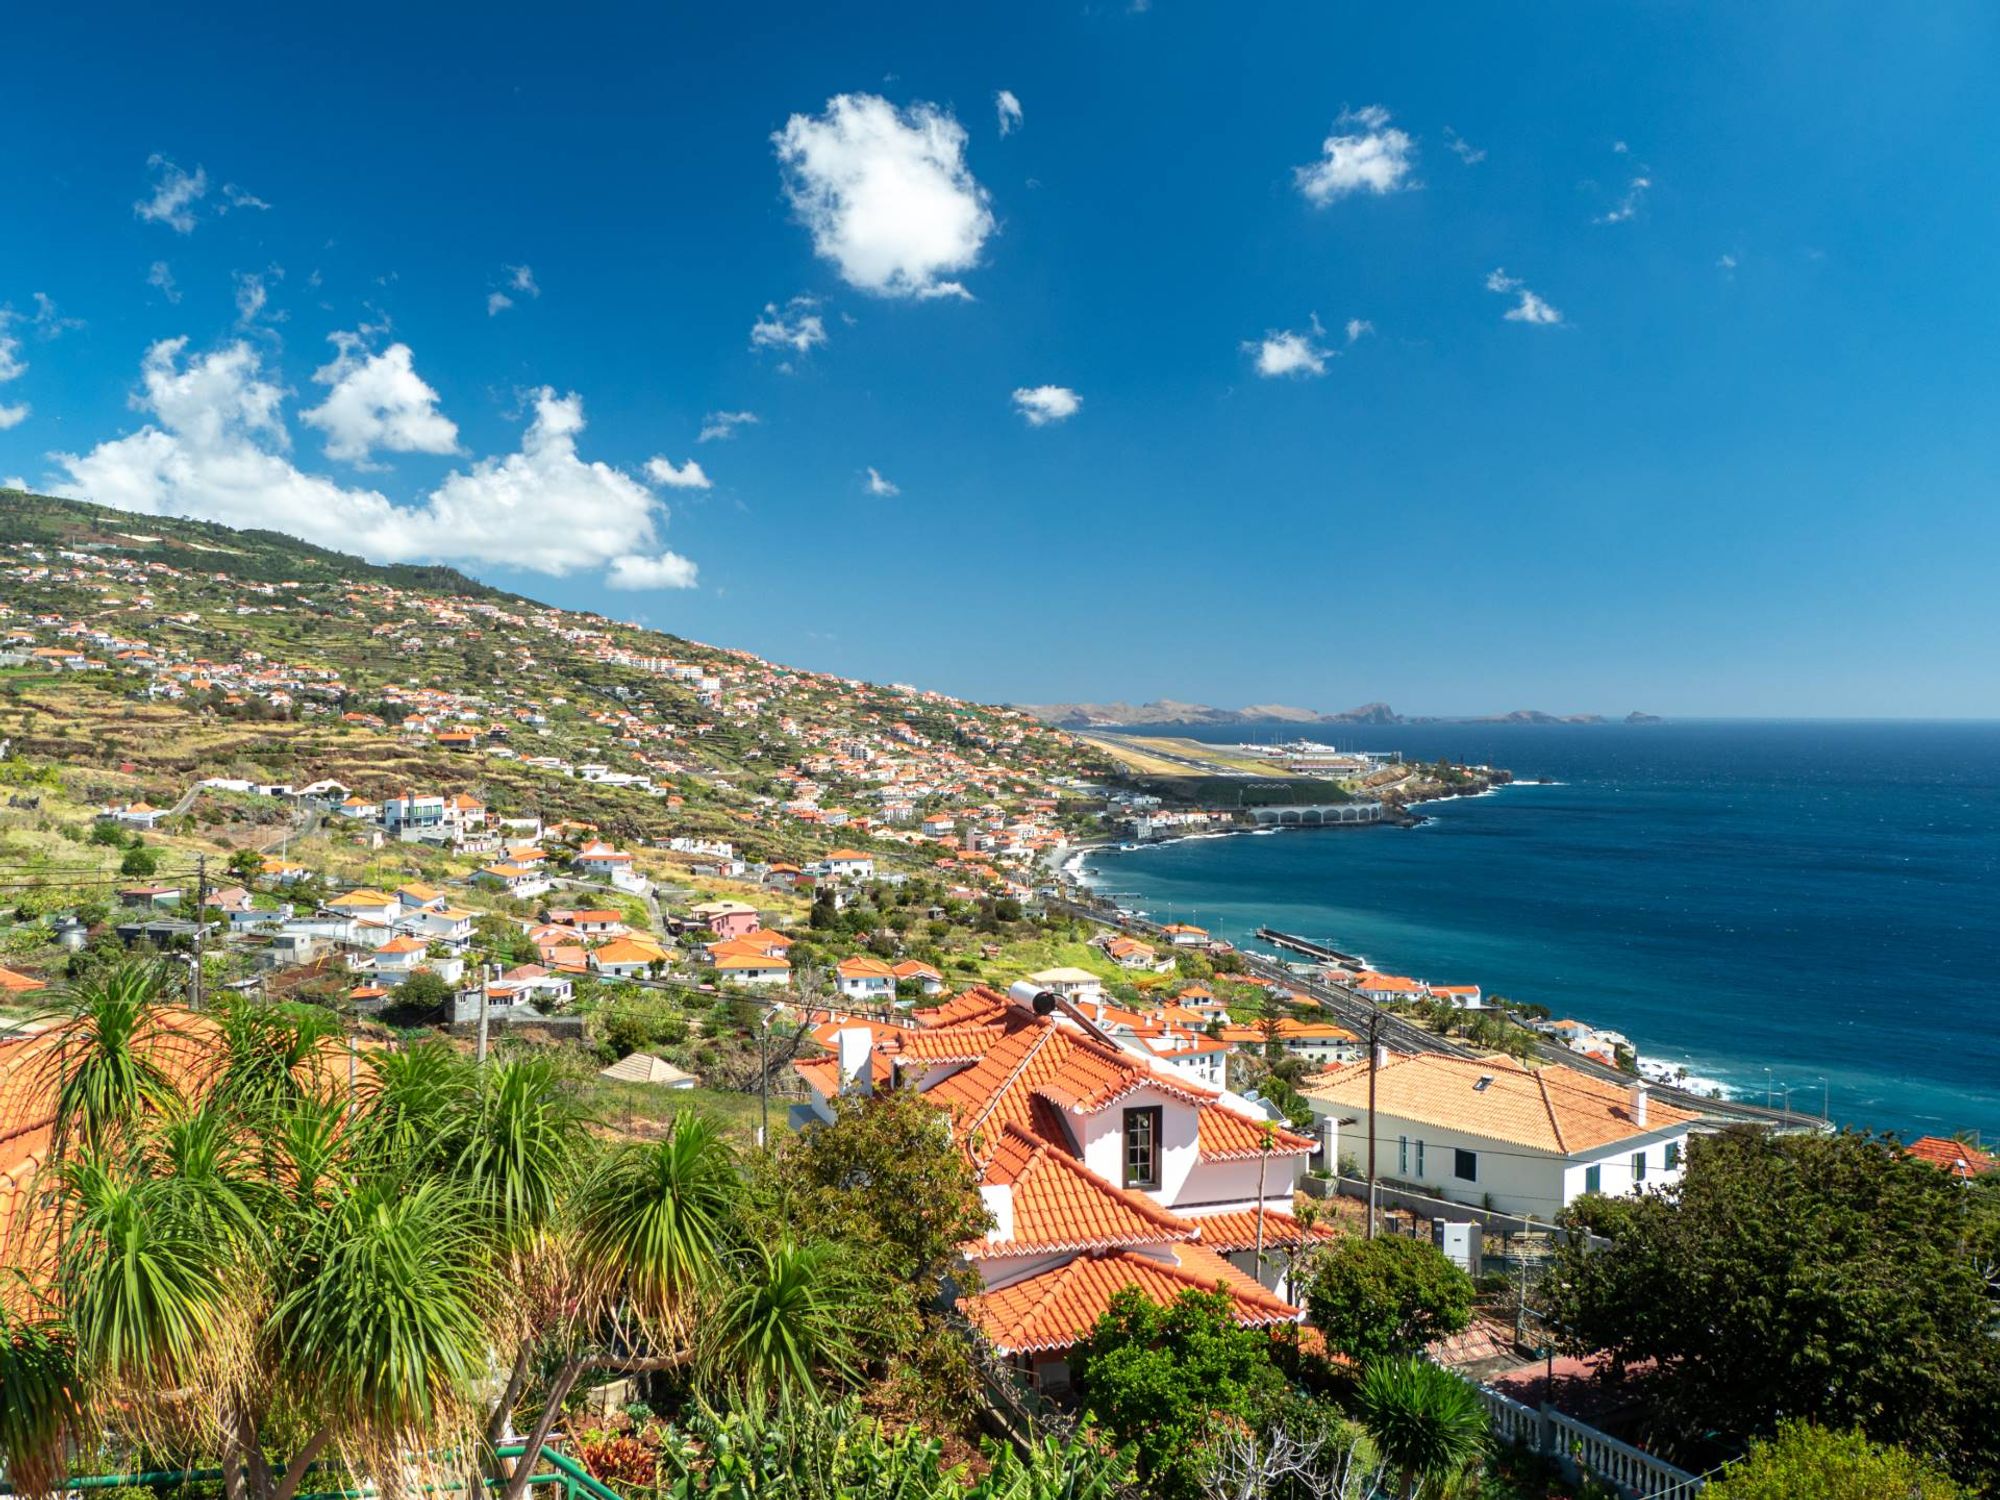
1355 1011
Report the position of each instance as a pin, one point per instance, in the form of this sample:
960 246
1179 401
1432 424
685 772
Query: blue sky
1735 451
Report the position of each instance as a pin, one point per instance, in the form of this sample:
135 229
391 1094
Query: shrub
1804 1462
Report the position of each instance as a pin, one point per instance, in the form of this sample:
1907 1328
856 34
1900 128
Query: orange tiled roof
864 968
1227 1233
1054 1310
1224 1135
976 1006
1552 1108
1060 1205
1954 1157
19 984
947 1043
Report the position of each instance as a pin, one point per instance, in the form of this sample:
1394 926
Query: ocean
1811 907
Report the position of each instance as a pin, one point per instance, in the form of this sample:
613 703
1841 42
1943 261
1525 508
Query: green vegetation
1169 1381
1829 1279
1428 1423
1804 1462
327 1275
1387 1296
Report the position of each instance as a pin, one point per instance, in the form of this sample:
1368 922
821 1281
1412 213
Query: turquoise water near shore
1821 900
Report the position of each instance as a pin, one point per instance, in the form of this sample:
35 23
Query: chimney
1381 1055
856 1046
1639 1104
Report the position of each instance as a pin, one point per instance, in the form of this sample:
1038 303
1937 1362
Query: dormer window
1142 1147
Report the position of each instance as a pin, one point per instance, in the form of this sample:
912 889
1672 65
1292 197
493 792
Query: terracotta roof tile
976 1006
1059 1204
1224 1135
1227 1233
1954 1157
1553 1108
1059 1307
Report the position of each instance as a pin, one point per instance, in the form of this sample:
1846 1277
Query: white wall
1515 1179
1102 1136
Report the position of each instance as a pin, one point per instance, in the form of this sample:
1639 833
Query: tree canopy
1167 1379
1389 1295
1804 1462
1825 1278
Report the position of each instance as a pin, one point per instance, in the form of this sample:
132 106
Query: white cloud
1043 404
1529 308
253 297
795 326
48 322
13 482
1008 108
1373 157
12 367
175 194
877 485
161 277
886 194
1357 327
635 571
1288 353
1468 153
1620 147
1628 206
688 476
719 425
234 197
517 279
215 446
1725 262
377 401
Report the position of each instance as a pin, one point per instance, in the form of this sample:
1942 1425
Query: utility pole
764 1079
1374 1066
200 927
482 1015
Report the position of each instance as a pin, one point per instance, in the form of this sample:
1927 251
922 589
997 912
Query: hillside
143 653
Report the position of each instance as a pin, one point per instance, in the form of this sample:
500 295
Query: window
1142 1147
1638 1166
1420 1158
1465 1165
1673 1155
1403 1154
1593 1179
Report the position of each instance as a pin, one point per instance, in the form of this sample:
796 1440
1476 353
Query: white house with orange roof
601 860
1493 1132
515 879
865 978
928 979
754 968
846 864
1103 1167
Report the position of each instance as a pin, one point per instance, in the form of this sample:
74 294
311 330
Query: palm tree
789 1318
38 1414
1428 1422
651 1229
104 1068
654 1222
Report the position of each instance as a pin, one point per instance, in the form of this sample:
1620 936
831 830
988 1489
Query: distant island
1169 711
